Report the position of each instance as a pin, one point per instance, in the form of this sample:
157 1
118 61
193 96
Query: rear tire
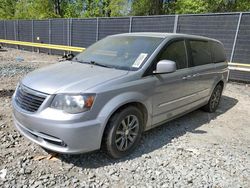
214 100
123 132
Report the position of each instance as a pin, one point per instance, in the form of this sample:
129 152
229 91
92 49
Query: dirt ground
197 150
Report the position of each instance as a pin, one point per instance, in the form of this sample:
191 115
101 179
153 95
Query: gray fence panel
10 31
59 33
221 27
242 48
41 30
153 24
83 32
111 26
239 75
2 30
24 30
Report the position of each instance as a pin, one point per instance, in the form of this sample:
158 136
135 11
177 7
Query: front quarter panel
111 99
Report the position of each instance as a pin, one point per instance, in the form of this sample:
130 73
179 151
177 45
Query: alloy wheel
126 132
215 99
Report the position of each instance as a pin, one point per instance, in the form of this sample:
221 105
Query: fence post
71 30
49 34
32 33
130 24
176 19
69 33
97 29
235 37
15 33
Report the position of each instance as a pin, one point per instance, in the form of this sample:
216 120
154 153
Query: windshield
121 52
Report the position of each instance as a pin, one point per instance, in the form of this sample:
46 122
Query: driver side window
176 52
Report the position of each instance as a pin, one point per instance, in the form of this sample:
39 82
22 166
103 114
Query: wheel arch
121 101
108 131
136 104
221 82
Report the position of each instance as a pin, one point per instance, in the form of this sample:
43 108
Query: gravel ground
197 150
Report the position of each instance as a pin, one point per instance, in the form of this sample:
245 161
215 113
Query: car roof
165 35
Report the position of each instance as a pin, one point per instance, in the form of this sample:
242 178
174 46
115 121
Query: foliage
190 6
7 9
41 9
243 5
92 8
118 8
34 9
73 9
147 7
228 5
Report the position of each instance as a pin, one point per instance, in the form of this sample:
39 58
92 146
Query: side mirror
165 66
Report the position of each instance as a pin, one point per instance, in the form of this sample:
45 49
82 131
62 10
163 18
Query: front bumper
62 136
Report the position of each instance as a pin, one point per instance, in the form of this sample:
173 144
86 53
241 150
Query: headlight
73 103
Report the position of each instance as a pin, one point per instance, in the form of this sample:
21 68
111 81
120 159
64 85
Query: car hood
69 77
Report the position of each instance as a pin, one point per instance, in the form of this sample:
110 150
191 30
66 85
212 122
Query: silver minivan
122 85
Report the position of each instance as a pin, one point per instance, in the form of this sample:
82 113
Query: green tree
42 9
95 8
190 6
147 7
7 9
118 8
228 5
141 7
243 5
73 9
169 6
35 9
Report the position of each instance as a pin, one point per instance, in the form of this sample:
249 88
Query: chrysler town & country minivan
106 96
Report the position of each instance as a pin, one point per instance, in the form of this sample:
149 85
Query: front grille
28 99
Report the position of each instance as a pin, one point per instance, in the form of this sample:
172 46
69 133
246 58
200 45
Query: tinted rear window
201 53
218 52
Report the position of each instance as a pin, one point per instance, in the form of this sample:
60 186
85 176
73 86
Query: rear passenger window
218 52
176 52
201 53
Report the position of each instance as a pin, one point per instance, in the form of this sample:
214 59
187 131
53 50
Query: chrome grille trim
28 99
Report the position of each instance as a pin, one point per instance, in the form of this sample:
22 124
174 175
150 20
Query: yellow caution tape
42 45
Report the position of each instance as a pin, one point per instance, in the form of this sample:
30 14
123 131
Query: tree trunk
157 6
57 7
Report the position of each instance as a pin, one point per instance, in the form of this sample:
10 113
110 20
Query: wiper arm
79 61
99 64
92 63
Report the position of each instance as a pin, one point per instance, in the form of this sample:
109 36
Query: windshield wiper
79 61
99 64
92 63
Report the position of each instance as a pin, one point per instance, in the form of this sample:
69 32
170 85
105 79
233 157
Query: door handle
186 77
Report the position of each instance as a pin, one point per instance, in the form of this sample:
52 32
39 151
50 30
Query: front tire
123 132
214 100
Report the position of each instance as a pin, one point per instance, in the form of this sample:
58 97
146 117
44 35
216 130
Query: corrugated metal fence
233 29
